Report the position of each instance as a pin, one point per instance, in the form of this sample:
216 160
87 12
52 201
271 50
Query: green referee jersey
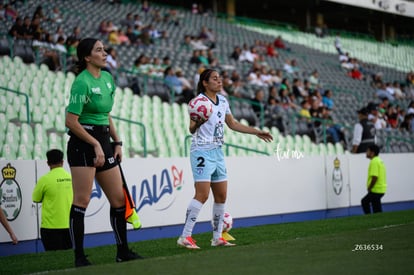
377 168
92 98
54 191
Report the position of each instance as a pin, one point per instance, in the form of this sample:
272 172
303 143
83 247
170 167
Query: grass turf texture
315 247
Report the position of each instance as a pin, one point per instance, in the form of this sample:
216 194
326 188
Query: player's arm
237 126
372 183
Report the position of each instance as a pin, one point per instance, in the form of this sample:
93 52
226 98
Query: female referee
207 160
89 149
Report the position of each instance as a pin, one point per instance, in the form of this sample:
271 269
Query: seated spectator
382 92
270 50
375 116
174 83
279 44
327 99
103 27
76 34
285 98
258 103
132 36
254 78
10 13
248 54
44 49
298 89
235 55
113 37
17 30
128 21
59 33
112 61
356 74
408 123
290 66
39 14
399 94
56 16
392 116
314 79
141 65
188 90
123 38
304 110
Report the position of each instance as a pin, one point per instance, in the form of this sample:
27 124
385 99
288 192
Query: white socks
218 218
191 217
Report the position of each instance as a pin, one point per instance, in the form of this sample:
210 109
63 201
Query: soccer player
90 154
54 191
207 160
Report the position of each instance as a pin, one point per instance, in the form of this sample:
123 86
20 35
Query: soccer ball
227 222
200 108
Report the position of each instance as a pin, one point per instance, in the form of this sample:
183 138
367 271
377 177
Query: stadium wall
285 187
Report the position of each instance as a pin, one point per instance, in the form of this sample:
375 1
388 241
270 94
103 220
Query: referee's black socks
118 223
77 229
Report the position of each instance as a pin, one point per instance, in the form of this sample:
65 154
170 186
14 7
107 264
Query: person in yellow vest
54 191
376 183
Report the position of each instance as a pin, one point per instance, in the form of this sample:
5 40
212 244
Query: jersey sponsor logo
10 193
96 91
109 85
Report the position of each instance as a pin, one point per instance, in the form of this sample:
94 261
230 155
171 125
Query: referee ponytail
83 50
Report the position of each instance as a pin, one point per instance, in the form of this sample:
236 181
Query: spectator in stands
290 66
254 78
279 44
274 110
89 150
112 63
399 94
364 132
327 99
208 139
270 50
333 129
188 90
375 116
76 34
173 83
128 21
28 34
59 33
314 79
6 225
132 37
235 55
304 110
376 182
36 28
408 123
248 54
195 58
17 30
382 92
298 89
285 98
392 116
113 37
103 27
410 108
207 36
39 14
44 50
337 43
54 191
258 103
72 45
356 74
10 13
2 12
56 16
123 38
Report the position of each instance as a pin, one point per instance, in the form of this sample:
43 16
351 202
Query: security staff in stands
364 133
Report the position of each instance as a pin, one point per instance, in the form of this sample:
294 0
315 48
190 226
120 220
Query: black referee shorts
82 154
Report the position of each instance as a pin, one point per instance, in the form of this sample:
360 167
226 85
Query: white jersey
210 135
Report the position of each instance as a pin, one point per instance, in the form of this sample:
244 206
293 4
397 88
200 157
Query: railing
144 134
227 147
250 102
26 97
